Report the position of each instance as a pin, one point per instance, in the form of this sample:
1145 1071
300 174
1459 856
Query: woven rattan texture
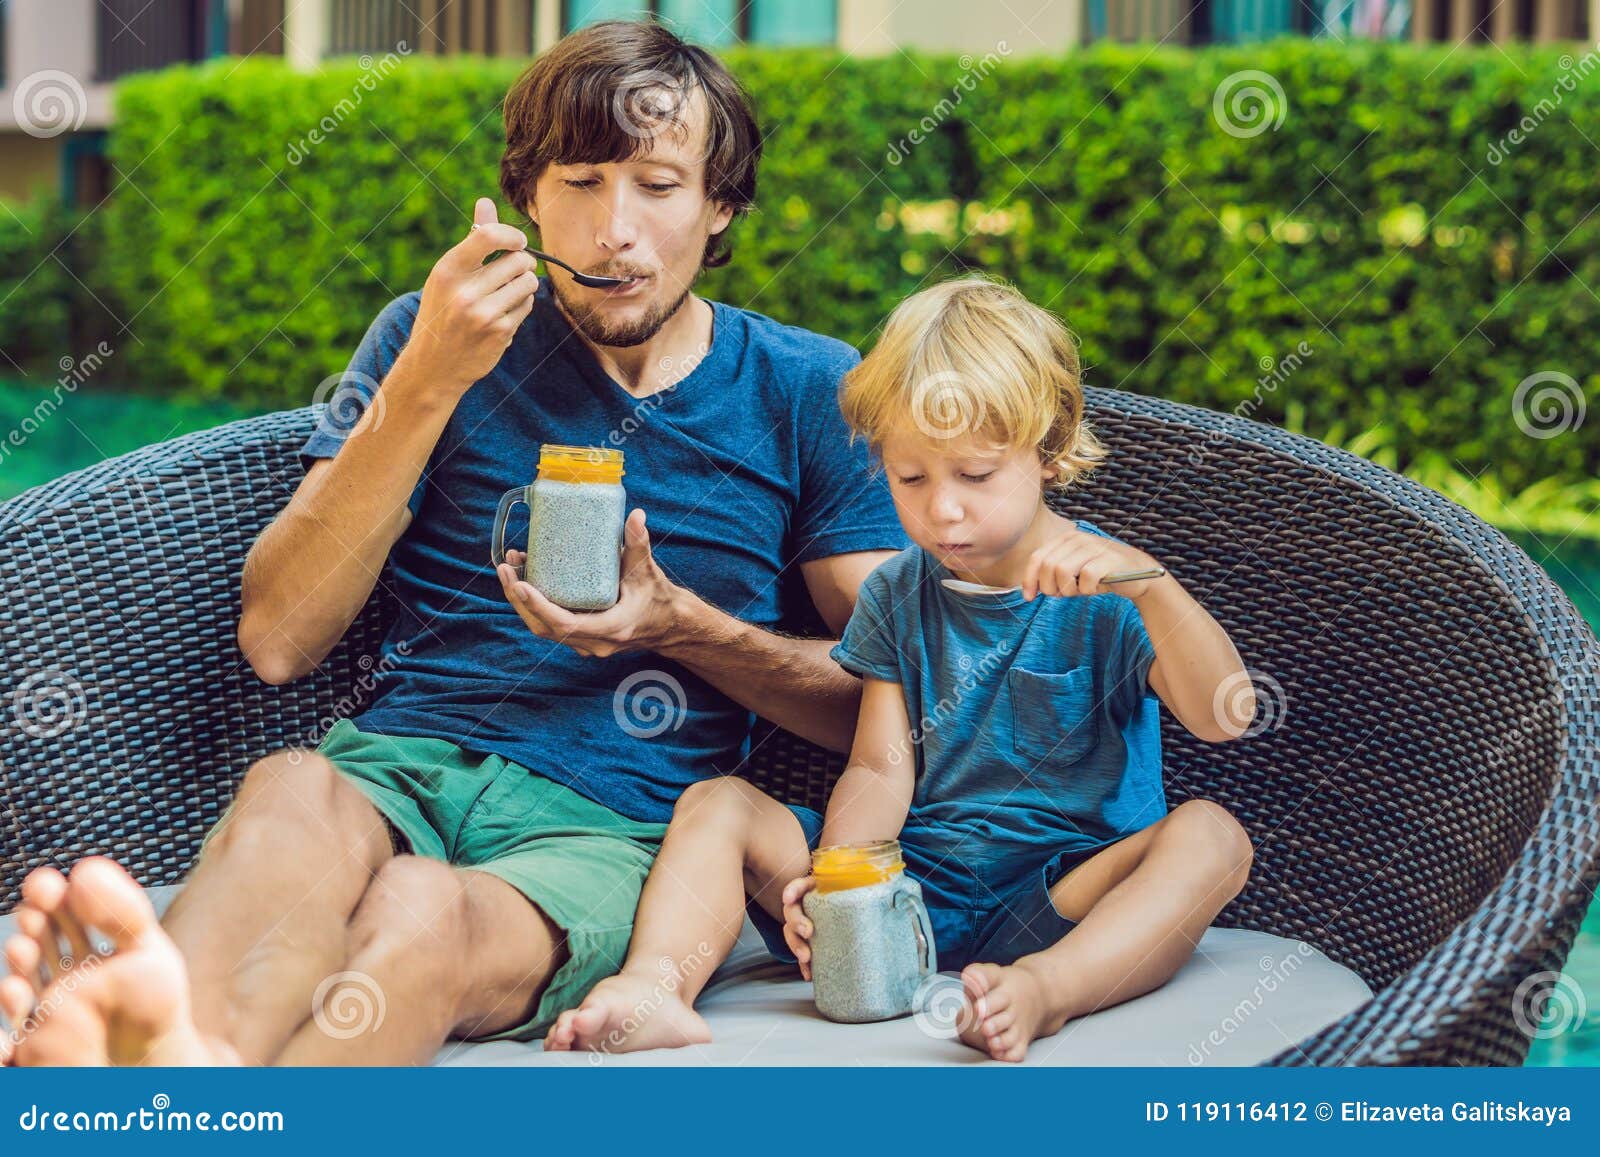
1421 787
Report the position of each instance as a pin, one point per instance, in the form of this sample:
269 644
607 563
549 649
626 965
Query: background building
56 53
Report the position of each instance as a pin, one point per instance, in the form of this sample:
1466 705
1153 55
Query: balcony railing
1477 20
370 26
485 27
135 35
1229 21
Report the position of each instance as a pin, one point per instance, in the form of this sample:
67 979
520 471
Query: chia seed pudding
575 542
871 944
576 510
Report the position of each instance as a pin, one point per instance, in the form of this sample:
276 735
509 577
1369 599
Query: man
464 858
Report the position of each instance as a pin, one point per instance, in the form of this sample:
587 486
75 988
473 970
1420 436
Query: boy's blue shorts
1019 921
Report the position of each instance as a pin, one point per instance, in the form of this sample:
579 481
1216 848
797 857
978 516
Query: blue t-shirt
745 470
1034 729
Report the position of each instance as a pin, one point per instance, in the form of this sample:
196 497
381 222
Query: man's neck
666 358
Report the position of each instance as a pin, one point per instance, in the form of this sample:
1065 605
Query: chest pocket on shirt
1054 718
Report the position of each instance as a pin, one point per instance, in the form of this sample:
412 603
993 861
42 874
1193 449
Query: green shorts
578 861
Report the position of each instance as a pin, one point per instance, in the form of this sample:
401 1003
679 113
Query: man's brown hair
604 92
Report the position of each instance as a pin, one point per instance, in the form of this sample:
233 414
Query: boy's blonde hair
975 357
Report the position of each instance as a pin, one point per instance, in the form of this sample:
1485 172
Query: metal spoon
592 280
961 586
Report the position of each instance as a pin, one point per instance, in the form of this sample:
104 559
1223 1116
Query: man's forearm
790 681
313 568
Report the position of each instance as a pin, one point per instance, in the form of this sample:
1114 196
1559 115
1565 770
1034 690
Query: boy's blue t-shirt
1035 731
744 468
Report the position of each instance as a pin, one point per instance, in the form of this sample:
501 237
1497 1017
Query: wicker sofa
1421 790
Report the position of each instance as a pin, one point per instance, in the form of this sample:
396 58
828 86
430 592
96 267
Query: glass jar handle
927 952
497 546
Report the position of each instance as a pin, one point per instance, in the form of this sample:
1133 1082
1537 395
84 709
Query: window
716 23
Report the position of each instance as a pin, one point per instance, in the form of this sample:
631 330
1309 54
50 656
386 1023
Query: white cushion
1241 999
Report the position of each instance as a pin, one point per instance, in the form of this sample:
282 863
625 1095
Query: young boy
1028 797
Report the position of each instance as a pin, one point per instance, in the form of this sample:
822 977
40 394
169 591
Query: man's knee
291 799
414 920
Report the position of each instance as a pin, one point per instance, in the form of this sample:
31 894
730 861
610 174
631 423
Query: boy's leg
727 839
1141 906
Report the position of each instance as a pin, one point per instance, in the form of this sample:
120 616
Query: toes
102 895
17 1001
998 1023
66 929
559 1038
1001 1045
44 889
35 926
978 980
588 1019
26 961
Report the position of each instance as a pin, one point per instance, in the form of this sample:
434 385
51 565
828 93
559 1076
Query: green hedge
37 293
1425 281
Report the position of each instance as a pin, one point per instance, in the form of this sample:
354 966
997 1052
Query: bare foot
626 1013
1007 1009
69 1004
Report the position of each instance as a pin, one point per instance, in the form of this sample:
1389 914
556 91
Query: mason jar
871 942
576 510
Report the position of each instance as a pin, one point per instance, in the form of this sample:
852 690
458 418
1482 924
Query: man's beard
592 325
